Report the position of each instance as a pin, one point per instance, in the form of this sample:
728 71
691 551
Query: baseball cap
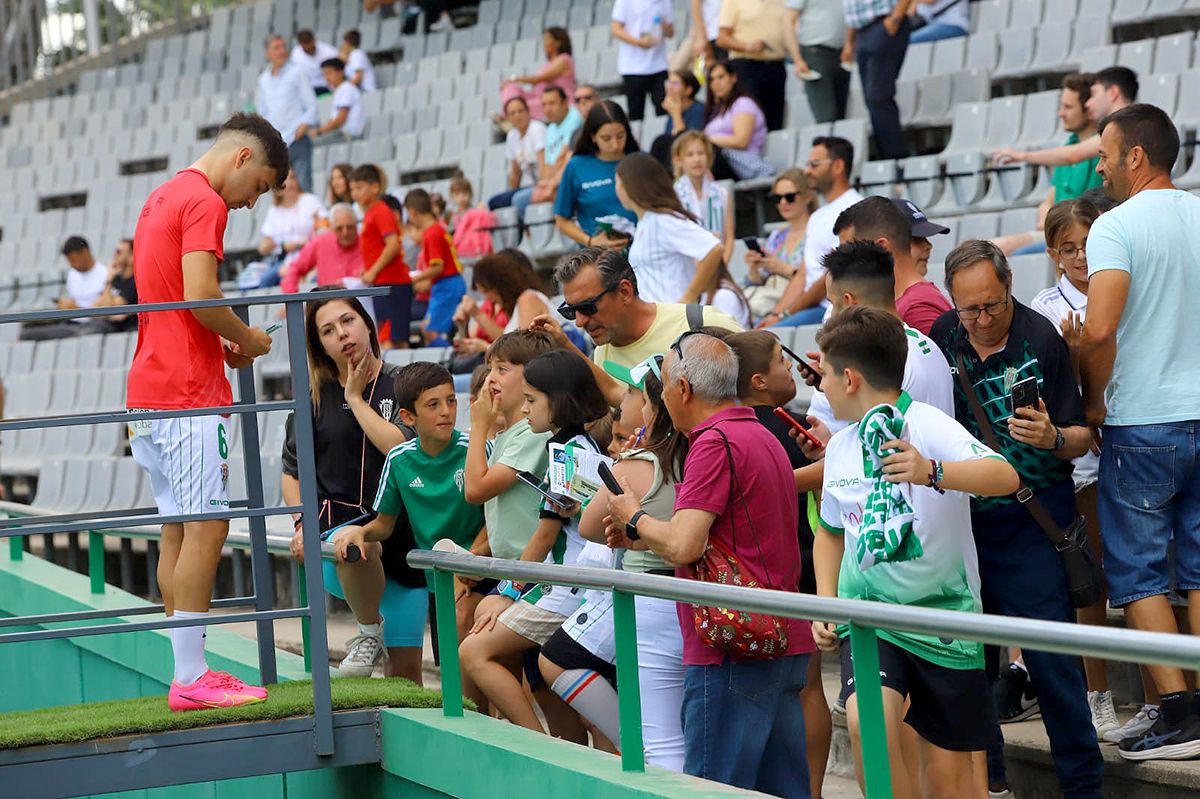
918 223
635 375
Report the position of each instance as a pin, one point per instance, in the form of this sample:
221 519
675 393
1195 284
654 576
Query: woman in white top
692 156
1065 305
288 226
674 257
508 280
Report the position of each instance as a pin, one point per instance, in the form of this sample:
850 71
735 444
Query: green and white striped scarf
886 533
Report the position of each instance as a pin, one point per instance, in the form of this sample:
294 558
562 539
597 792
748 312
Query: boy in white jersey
896 527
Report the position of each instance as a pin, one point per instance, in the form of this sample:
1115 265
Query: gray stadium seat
1129 10
977 226
1187 111
917 61
983 50
1173 54
990 15
1098 58
967 128
51 479
1039 125
923 183
1160 90
1031 274
966 184
878 177
1004 118
949 55
1138 56
1016 52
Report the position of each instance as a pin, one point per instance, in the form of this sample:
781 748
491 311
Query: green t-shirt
1073 180
512 517
430 488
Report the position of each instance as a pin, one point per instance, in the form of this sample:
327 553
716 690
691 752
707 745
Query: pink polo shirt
332 261
758 522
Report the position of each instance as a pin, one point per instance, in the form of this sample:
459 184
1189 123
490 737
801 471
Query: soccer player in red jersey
179 363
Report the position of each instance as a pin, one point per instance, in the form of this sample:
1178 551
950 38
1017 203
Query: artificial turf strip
149 714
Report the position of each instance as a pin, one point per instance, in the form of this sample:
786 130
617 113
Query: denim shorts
1150 493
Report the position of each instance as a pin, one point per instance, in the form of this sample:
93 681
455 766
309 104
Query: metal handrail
863 617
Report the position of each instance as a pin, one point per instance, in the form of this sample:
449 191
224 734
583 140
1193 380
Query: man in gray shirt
816 38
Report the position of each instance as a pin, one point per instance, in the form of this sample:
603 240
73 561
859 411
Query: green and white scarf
886 533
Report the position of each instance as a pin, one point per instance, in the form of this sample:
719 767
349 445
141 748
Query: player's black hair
259 129
865 268
75 244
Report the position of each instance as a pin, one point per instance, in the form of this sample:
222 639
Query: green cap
623 373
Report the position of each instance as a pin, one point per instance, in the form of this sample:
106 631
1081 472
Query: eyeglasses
992 309
813 163
677 345
786 197
587 307
1070 252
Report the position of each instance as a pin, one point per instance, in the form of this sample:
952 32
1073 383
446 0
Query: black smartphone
610 479
809 372
1024 394
561 500
752 244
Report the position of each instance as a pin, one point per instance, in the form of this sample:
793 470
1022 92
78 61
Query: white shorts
186 460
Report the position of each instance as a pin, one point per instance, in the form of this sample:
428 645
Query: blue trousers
743 725
880 56
1022 575
935 32
300 154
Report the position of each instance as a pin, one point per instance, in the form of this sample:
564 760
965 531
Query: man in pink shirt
334 254
743 724
918 302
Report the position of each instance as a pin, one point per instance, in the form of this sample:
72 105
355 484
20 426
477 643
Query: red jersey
436 245
378 223
179 363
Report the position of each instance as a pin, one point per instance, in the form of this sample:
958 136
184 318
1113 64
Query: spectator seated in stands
935 20
782 255
334 254
815 35
512 299
349 119
285 97
922 230
562 123
710 202
753 31
735 124
438 269
119 289
684 113
288 226
587 196
337 188
641 29
584 97
86 281
470 227
523 148
558 71
358 67
1069 180
309 54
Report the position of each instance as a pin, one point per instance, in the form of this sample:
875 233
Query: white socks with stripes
591 696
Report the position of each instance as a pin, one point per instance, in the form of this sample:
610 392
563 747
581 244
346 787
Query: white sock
1020 664
188 645
592 697
370 629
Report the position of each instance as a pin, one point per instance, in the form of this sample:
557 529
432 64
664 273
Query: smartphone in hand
561 500
799 428
609 479
752 244
1024 394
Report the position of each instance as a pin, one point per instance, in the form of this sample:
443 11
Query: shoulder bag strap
695 315
1025 494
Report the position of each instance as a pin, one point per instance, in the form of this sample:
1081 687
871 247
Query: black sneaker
1164 741
1015 698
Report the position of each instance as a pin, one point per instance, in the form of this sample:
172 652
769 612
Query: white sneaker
363 653
1104 717
443 23
1136 726
1005 794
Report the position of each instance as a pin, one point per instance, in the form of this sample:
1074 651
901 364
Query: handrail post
96 561
872 729
305 621
16 548
629 699
260 561
447 633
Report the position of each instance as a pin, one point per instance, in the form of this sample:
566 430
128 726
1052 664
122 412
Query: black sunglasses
677 345
789 196
587 307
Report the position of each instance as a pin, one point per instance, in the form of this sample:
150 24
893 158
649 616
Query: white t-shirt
357 62
295 223
524 149
726 299
638 18
86 287
311 64
926 379
664 253
711 10
591 625
946 573
349 97
819 237
1055 303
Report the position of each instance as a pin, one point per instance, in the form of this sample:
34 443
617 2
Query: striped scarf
886 533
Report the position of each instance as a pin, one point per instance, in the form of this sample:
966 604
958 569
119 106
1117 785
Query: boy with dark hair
438 269
896 527
358 66
349 118
383 255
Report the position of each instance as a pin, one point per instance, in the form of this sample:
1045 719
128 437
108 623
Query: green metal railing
864 619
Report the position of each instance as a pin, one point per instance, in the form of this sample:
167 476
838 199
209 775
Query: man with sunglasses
601 296
1000 342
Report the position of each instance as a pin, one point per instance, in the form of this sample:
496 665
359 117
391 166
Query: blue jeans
1022 576
1037 248
1150 490
743 725
517 198
300 154
880 57
935 32
809 316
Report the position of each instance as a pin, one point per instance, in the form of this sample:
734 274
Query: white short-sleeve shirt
638 18
664 253
86 287
349 97
357 62
311 64
819 237
524 149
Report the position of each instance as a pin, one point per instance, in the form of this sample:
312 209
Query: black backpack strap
695 315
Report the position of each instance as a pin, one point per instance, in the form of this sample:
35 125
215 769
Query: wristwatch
631 525
506 588
1060 440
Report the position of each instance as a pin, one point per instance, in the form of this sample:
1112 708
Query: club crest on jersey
459 479
225 476
385 408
